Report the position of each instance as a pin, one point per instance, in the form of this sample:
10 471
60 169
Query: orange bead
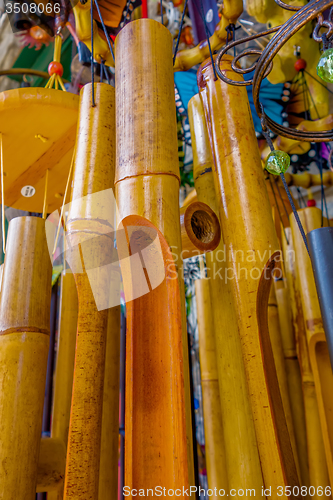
55 67
300 64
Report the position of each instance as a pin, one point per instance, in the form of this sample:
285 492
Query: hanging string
2 199
301 197
179 32
161 7
45 194
106 73
208 41
104 29
282 200
63 203
265 133
318 81
92 55
278 209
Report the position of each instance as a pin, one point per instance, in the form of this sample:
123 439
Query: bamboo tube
318 475
158 445
277 348
89 233
63 380
318 352
51 466
294 379
240 446
108 473
250 237
200 229
214 440
24 344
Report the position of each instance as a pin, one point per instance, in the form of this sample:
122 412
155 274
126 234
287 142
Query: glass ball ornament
325 66
277 162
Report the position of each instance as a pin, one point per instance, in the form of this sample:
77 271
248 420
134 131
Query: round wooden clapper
38 127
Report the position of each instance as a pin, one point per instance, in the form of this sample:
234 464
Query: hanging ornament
325 66
277 162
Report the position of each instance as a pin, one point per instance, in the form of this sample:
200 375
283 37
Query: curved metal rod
286 6
26 71
294 24
233 44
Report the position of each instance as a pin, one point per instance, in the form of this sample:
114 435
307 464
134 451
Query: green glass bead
325 66
277 162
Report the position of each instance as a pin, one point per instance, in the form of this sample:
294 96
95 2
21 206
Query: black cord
92 55
179 33
104 29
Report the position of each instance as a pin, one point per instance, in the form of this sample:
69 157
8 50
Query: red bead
300 64
311 203
55 67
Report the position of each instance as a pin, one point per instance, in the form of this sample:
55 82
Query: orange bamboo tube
158 445
200 229
277 348
214 440
108 472
318 475
318 352
240 445
294 379
24 344
89 233
248 230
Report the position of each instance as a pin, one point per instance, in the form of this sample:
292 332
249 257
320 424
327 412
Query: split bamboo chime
24 345
247 224
90 236
158 415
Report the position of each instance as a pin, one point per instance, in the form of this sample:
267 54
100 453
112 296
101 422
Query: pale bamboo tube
158 445
108 472
200 229
250 237
240 446
63 377
318 352
51 467
64 370
277 348
294 379
214 440
24 344
89 233
318 475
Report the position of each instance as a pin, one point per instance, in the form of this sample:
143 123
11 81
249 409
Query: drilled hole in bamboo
203 226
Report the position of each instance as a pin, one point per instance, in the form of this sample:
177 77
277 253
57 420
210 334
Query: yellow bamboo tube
158 445
318 475
250 237
200 229
89 233
214 440
108 472
277 348
294 379
51 466
24 344
240 446
318 352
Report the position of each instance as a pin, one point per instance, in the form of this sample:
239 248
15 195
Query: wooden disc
38 127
